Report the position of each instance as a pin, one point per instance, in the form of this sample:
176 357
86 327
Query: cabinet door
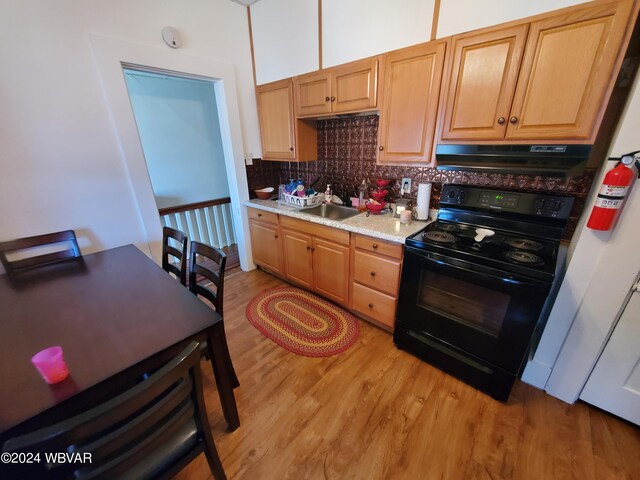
313 94
266 245
409 102
298 263
481 83
331 270
277 127
566 73
354 86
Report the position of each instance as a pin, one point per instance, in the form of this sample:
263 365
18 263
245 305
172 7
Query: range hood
551 160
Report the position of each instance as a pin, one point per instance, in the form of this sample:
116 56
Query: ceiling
246 3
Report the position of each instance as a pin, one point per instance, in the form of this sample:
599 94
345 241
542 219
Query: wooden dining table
117 316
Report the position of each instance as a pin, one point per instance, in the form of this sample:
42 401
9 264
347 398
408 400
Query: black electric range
474 283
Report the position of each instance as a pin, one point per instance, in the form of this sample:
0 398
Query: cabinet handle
259 214
333 99
371 305
375 245
308 247
373 274
381 148
513 120
291 149
275 236
326 99
313 248
501 120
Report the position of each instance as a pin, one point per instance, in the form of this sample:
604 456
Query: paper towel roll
422 204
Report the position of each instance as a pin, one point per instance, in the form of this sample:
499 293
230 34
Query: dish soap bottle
362 196
328 194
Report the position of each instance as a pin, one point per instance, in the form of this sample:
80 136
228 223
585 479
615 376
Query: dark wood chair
215 275
150 431
30 243
168 264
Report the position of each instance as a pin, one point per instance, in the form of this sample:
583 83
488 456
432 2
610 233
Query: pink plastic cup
51 365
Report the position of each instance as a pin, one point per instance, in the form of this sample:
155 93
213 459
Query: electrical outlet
248 159
405 186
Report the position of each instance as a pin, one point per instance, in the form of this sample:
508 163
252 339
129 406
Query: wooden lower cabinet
331 270
359 272
266 245
374 304
298 258
375 278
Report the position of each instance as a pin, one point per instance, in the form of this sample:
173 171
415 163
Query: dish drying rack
302 202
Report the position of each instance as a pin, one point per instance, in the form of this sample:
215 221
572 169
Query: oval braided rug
302 323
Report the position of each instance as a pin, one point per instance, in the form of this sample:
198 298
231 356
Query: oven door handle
476 269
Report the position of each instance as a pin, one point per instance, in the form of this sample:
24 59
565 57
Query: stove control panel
541 205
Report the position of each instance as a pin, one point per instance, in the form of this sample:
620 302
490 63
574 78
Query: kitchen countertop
384 227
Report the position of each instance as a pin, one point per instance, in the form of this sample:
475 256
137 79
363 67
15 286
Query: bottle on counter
328 194
362 196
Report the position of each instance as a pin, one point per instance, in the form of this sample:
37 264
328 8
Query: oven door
480 310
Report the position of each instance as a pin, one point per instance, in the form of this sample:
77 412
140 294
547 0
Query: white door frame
110 55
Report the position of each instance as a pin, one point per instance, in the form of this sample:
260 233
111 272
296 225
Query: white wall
62 165
600 272
177 120
355 29
458 16
285 38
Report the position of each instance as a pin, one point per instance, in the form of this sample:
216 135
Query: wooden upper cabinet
566 73
351 87
482 80
409 103
313 94
354 86
277 122
283 136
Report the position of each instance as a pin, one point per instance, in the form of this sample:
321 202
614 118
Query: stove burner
521 257
523 244
448 227
439 237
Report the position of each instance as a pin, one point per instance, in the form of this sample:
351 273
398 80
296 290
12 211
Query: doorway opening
179 130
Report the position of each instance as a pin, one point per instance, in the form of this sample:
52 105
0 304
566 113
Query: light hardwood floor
374 412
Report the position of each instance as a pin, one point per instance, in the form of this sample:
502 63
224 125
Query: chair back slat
25 244
179 268
141 433
218 259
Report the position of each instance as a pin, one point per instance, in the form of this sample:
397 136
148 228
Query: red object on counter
610 197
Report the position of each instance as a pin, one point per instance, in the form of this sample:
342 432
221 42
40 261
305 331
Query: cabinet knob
326 99
375 245
259 214
275 236
501 120
308 247
291 149
513 120
373 274
371 305
333 99
381 148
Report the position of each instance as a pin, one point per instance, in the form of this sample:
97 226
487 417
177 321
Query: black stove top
508 251
527 228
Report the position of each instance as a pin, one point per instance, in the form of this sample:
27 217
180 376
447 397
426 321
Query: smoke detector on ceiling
172 37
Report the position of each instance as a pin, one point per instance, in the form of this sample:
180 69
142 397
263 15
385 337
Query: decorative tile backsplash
347 155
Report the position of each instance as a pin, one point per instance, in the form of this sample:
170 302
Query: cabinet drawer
379 246
374 304
328 233
377 272
261 215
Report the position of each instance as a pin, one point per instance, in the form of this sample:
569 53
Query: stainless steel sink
333 212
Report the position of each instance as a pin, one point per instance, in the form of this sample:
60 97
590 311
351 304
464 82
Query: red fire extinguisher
611 195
